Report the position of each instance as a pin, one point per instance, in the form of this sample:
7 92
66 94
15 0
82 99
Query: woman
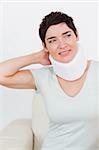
66 82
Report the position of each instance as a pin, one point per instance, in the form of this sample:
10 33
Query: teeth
63 52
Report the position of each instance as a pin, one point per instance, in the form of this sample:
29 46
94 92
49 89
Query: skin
64 40
61 42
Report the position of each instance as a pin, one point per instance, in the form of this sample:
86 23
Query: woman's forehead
57 29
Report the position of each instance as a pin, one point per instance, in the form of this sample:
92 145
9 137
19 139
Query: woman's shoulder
95 67
95 63
43 70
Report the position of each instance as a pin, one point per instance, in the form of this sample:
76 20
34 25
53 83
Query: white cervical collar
71 70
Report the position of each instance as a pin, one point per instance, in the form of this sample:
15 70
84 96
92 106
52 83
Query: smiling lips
64 53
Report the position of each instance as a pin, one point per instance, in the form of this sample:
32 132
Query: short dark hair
52 19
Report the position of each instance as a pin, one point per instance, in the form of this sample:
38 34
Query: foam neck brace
71 70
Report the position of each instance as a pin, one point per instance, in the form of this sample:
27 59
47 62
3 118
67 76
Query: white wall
19 23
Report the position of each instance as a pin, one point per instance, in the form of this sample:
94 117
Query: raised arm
11 76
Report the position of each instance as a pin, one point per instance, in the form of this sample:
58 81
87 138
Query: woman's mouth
64 53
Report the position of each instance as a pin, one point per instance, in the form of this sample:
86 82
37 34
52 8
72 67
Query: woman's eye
52 41
68 35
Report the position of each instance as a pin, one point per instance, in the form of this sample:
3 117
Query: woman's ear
44 46
77 36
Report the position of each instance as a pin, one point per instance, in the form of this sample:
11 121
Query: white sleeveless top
72 120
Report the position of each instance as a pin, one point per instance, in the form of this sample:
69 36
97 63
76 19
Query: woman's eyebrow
52 37
66 32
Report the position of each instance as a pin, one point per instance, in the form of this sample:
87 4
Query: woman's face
61 42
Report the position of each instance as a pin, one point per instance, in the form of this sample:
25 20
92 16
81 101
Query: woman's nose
62 44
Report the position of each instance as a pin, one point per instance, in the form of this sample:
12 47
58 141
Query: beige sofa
17 136
26 134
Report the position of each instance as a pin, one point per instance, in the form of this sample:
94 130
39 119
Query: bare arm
11 75
20 80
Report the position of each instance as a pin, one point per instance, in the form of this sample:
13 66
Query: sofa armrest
17 136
